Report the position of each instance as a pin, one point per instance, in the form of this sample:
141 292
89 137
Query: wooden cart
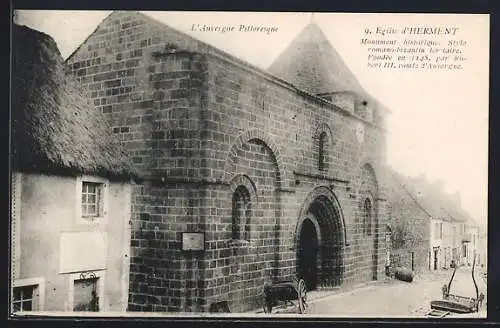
285 292
456 303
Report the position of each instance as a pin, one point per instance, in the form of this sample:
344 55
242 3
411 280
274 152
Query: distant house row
429 229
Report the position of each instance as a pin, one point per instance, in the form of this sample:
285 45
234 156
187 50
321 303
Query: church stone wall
198 124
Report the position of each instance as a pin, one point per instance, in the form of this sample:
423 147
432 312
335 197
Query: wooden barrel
404 274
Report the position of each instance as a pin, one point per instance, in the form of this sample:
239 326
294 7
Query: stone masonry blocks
193 118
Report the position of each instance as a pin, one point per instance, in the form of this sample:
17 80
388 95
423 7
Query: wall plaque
193 241
82 251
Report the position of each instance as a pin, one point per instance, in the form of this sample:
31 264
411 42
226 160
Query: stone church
248 176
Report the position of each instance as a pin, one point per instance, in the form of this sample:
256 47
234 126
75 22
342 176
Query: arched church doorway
320 241
308 250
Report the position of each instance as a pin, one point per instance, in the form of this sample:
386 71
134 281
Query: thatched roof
55 129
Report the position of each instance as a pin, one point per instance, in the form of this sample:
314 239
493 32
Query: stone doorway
308 254
320 241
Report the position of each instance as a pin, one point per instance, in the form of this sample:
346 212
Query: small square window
91 199
22 298
92 195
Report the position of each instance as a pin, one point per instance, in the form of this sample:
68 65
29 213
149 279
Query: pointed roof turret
313 65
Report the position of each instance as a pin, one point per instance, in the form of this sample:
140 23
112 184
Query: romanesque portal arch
320 240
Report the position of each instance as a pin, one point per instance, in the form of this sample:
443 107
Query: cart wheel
302 296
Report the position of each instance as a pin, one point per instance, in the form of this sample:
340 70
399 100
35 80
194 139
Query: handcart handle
473 278
452 276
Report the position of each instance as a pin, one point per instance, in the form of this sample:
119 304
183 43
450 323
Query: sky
439 121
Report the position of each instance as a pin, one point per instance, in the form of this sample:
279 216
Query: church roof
54 127
313 65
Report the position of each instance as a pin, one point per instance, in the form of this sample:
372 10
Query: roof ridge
442 198
412 196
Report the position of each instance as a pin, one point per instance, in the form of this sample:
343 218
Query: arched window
367 217
241 214
322 151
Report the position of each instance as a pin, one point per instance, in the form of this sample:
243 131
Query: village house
428 226
70 189
462 246
470 242
250 176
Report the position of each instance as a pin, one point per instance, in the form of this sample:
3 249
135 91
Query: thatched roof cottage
71 187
